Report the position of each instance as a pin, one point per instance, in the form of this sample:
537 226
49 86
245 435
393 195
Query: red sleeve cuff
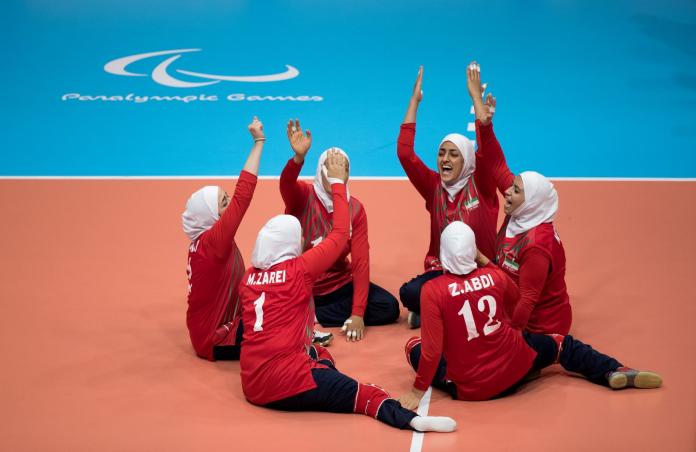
247 177
484 130
293 164
409 125
339 188
358 310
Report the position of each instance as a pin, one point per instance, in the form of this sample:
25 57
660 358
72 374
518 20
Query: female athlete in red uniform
215 265
462 189
343 295
528 247
280 368
531 253
468 348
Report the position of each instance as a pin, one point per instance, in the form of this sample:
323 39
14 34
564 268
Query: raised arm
221 235
293 191
318 259
422 177
252 163
491 168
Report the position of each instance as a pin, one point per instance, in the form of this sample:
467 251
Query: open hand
300 142
354 328
336 165
256 130
484 111
473 80
490 105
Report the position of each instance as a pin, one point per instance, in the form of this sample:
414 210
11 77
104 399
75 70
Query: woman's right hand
300 142
473 80
484 111
336 165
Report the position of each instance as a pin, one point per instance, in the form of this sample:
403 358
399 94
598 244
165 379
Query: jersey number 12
490 326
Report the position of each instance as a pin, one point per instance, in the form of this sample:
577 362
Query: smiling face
514 196
223 200
450 162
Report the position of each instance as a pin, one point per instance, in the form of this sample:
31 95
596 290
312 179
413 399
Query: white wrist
334 180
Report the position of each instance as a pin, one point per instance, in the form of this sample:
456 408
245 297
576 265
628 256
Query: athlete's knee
393 309
411 355
369 399
409 294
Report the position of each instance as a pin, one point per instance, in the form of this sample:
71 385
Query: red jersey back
463 315
278 316
552 312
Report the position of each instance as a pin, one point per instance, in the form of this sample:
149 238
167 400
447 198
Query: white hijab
458 248
326 198
540 204
201 211
279 239
466 147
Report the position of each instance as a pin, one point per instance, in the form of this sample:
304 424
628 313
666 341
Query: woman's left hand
481 258
411 399
256 130
354 328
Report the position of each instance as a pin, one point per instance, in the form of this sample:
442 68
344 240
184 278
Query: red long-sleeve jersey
462 318
497 165
301 202
214 269
278 316
477 203
536 261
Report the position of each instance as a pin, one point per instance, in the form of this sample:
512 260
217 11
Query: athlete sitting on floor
280 368
528 247
343 295
462 189
215 265
468 348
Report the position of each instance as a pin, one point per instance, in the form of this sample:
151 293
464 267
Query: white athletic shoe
321 338
413 320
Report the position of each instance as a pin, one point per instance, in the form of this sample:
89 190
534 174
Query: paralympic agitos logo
163 75
166 75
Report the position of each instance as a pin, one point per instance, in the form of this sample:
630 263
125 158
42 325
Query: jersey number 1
258 307
490 326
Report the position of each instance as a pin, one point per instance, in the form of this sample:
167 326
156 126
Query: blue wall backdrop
584 88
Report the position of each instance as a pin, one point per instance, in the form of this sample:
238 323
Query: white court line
374 178
417 438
